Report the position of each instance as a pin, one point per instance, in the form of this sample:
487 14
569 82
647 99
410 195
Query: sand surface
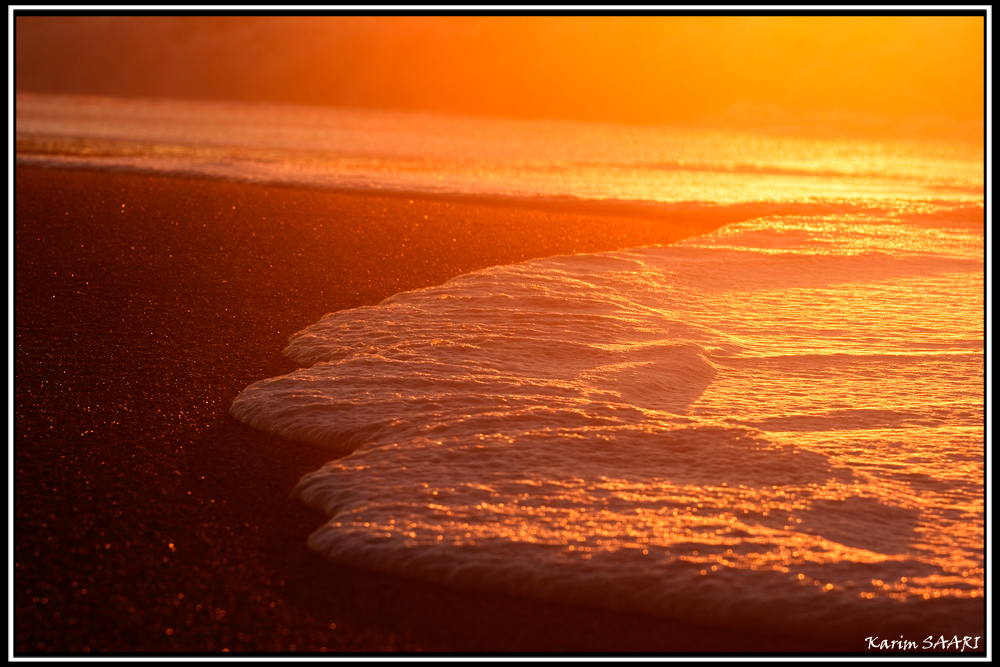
146 517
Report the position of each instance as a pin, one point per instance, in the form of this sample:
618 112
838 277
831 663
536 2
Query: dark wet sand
147 518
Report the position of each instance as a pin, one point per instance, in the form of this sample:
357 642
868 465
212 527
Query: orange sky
632 69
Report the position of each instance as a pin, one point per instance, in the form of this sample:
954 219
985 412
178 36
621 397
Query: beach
147 519
452 335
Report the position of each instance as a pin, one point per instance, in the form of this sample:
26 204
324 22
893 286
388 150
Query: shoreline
146 518
697 216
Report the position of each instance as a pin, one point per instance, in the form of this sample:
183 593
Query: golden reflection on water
484 155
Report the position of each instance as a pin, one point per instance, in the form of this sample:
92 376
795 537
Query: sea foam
778 427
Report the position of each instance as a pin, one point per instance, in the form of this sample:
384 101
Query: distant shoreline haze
873 76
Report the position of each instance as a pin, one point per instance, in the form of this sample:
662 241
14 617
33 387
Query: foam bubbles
746 429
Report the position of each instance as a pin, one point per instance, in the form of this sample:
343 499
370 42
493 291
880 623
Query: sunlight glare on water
434 152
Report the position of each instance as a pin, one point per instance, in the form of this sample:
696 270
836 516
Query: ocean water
778 426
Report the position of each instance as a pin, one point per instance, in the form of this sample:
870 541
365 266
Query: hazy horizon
873 76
